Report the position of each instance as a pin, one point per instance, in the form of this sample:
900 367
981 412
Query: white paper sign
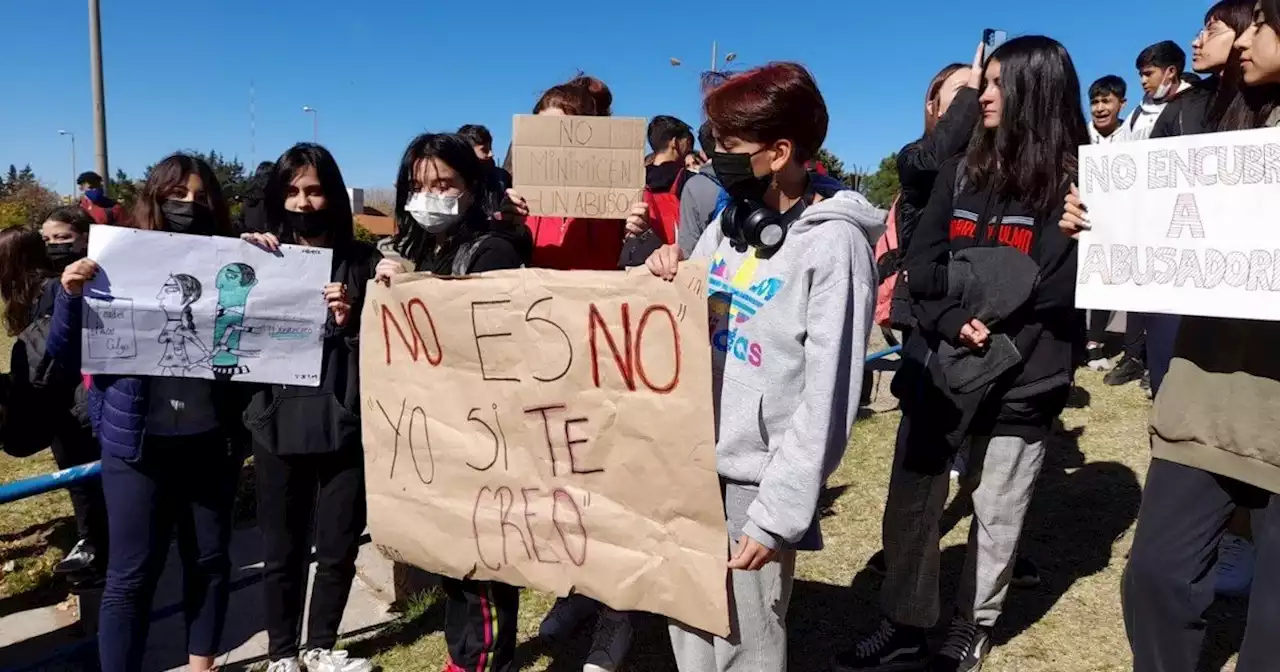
167 304
1184 225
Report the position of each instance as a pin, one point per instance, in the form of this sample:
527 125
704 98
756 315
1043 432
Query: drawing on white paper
109 330
216 309
234 282
183 352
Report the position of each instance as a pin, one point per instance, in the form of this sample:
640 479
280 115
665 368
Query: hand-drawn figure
234 283
179 334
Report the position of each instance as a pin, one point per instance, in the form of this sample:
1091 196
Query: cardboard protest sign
182 306
578 166
549 429
1183 226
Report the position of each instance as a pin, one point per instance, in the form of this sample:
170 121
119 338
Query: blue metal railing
38 485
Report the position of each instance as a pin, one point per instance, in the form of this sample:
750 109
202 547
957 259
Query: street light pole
74 174
715 58
315 122
99 99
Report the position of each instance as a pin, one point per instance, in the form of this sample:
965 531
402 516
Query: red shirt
113 214
576 244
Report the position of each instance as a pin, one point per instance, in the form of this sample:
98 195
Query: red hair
770 103
580 96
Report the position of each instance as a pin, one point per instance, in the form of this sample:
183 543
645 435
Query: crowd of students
984 259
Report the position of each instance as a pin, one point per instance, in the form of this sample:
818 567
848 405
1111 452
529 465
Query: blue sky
378 72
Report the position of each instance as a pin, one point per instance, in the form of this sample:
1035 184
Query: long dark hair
413 242
172 173
1032 154
24 267
1255 103
337 200
1227 105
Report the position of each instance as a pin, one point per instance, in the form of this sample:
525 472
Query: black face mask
738 177
62 255
187 217
312 224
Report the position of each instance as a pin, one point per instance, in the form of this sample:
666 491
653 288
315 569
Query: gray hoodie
789 335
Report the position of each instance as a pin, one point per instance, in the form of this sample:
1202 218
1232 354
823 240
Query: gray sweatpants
757 610
1003 472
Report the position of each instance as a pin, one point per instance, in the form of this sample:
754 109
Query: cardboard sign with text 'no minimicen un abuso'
549 429
578 166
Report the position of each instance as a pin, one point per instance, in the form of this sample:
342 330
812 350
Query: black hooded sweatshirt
291 420
1045 330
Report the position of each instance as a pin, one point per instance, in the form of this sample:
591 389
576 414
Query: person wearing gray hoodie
791 288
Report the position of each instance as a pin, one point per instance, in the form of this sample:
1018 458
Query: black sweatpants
480 625
1135 336
301 497
1169 582
72 448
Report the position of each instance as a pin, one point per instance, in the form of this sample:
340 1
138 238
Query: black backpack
42 396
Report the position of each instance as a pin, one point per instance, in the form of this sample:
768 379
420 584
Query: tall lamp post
715 58
99 96
74 174
315 122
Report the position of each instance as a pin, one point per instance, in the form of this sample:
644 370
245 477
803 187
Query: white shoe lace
876 641
960 637
282 666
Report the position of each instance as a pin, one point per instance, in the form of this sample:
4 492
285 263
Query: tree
882 186
23 201
833 164
123 189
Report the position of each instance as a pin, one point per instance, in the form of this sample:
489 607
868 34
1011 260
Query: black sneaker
1025 574
892 648
1127 372
877 563
965 649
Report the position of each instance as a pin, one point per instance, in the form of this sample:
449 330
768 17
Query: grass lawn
1078 533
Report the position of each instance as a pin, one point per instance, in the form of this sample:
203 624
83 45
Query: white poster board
167 304
1184 226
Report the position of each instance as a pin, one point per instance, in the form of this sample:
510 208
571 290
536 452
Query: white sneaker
611 641
1102 365
958 466
1234 572
284 665
323 660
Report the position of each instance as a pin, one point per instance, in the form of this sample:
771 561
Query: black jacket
918 166
1188 113
290 420
1024 401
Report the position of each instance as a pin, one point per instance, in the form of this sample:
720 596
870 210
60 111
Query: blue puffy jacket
118 405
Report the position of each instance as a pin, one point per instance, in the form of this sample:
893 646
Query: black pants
1135 336
296 495
187 483
1169 583
480 625
72 449
1098 320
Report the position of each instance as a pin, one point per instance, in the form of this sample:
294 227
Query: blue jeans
183 483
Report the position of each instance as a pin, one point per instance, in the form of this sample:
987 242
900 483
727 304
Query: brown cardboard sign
578 166
550 429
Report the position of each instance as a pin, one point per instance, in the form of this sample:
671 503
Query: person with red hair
792 292
576 243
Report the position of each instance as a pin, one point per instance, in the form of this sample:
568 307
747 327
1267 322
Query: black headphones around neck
753 223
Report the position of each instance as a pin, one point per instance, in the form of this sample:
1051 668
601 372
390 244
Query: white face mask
1164 91
434 212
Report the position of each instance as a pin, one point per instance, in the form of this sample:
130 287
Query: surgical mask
738 177
63 254
187 217
436 213
313 224
1163 92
